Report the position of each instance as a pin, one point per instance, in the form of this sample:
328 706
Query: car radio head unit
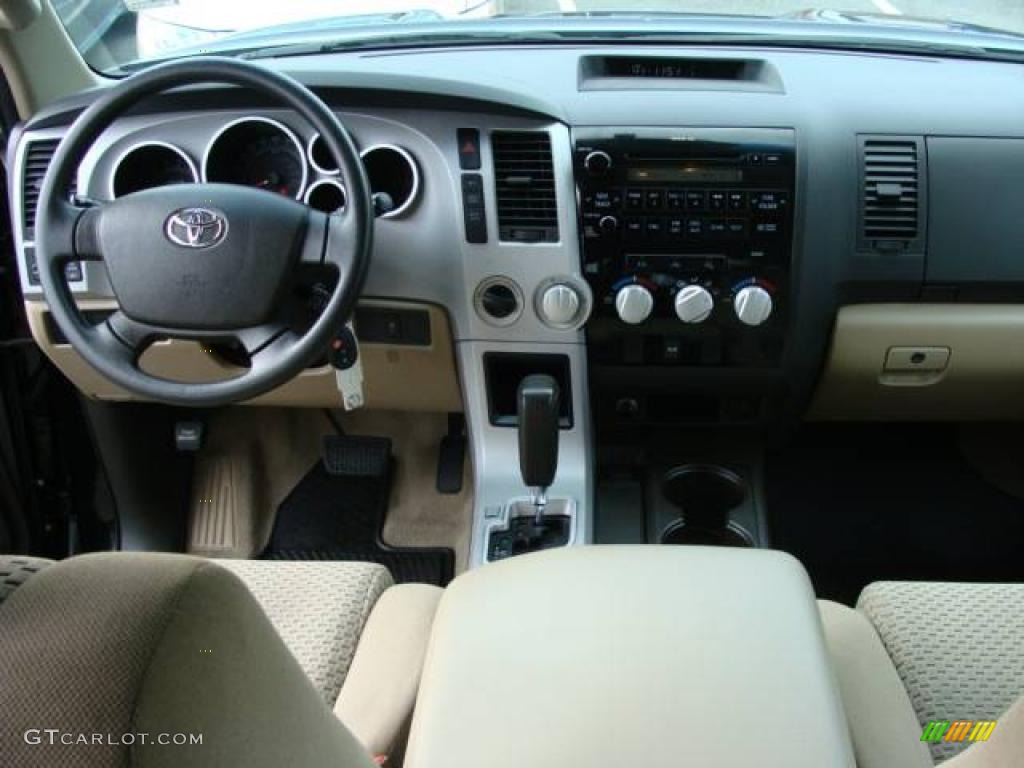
692 229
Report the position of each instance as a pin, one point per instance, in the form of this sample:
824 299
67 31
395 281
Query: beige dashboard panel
938 362
388 370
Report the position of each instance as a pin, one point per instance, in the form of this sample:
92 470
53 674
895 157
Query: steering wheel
206 262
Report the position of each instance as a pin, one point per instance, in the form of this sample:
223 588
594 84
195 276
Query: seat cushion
15 570
121 645
959 648
318 608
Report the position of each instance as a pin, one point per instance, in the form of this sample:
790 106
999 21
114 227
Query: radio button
654 228
695 227
655 199
634 199
695 201
676 199
716 227
737 201
767 228
605 200
716 201
674 228
768 202
736 227
634 228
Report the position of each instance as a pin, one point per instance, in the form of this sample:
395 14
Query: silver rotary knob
753 305
634 303
597 163
560 305
694 303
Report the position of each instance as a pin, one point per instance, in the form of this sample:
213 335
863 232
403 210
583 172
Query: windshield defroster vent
524 176
892 184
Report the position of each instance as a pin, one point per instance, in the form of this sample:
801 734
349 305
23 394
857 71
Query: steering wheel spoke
268 344
341 241
71 233
121 338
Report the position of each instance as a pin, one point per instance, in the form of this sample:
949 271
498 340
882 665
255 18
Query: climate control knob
634 303
752 304
597 163
694 303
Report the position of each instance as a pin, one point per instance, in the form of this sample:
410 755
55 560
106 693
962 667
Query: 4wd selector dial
634 303
694 303
753 305
559 305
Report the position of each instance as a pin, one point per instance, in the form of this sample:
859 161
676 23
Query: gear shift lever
538 399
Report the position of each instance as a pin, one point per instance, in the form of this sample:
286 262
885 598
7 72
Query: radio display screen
683 172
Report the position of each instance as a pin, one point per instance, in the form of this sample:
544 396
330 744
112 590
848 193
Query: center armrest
619 656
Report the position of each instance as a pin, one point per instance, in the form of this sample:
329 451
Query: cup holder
705 495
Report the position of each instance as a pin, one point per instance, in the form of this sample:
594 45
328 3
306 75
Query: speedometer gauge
257 152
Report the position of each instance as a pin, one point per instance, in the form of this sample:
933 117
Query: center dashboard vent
524 177
38 155
892 203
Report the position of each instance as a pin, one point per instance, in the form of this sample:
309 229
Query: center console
687 235
614 656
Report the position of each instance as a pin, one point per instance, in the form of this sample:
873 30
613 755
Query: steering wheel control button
694 303
752 305
634 304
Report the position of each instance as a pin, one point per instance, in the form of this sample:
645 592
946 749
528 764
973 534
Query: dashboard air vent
37 160
525 179
892 180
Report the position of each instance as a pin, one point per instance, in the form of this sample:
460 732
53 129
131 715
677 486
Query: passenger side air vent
892 199
37 160
525 179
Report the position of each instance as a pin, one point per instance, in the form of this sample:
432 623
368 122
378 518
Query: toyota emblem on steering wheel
196 227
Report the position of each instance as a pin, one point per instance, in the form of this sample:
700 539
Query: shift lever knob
538 430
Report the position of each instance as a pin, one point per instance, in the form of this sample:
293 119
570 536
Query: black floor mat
331 517
858 504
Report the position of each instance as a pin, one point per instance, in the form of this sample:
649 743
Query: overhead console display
687 239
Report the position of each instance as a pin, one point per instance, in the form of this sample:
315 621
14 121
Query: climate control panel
686 242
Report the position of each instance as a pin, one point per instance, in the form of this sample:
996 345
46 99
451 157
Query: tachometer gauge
257 152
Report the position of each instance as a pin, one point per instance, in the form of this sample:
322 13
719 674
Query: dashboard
703 231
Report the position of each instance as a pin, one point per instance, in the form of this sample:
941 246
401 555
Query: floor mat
331 517
857 504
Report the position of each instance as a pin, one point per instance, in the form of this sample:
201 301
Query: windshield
113 33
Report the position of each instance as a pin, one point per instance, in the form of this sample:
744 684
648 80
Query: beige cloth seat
914 652
110 643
